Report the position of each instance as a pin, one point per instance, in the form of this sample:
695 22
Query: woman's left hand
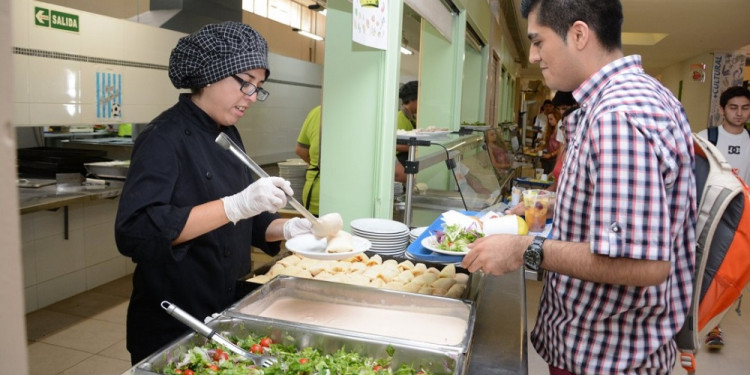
296 226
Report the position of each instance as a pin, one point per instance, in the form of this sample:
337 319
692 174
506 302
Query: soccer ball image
116 109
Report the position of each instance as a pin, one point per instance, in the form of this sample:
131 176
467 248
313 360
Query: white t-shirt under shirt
735 148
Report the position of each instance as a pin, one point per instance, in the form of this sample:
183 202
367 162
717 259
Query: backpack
713 134
722 256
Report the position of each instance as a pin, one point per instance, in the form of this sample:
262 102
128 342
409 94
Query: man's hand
497 254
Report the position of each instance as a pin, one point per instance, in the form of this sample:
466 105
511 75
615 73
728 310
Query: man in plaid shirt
620 260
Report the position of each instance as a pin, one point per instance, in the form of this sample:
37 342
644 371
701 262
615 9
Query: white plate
377 226
416 232
308 246
430 243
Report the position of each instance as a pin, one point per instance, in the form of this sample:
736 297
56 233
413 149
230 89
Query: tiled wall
56 268
55 72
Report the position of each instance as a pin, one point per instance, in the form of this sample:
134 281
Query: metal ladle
226 143
262 360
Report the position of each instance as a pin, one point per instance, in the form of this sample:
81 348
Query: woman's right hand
265 194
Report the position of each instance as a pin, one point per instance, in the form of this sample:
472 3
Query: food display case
493 314
449 171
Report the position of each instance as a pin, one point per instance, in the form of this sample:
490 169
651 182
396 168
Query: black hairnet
215 52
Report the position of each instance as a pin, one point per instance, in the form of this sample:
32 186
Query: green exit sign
55 19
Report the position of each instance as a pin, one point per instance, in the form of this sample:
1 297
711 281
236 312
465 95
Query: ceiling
694 27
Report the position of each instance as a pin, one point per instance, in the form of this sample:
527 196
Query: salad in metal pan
208 359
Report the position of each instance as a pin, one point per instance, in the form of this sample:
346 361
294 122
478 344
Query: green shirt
310 135
403 122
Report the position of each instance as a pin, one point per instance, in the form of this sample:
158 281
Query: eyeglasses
249 89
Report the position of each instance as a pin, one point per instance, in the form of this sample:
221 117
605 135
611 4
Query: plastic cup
515 196
538 173
536 203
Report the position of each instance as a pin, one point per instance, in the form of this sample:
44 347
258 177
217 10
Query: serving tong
196 325
228 144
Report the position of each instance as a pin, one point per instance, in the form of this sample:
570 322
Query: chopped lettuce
291 361
457 238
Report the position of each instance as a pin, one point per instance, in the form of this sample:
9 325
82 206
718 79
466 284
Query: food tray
438 323
108 169
326 341
244 287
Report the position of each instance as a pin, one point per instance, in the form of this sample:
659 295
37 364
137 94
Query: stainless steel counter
499 342
50 197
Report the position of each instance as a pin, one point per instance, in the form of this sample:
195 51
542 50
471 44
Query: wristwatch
534 255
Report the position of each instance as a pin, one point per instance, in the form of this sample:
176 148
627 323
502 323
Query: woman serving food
190 211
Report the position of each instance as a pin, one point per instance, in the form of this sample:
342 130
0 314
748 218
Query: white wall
55 89
13 354
696 96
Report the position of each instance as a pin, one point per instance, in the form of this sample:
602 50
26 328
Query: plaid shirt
628 190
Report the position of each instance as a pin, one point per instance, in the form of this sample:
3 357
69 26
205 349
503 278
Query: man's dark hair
733 92
604 17
408 91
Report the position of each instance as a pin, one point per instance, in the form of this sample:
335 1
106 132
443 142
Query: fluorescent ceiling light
642 39
307 34
406 51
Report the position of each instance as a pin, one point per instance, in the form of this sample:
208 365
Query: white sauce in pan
431 328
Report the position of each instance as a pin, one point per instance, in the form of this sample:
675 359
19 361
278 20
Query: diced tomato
220 354
302 361
213 367
178 371
266 342
256 348
188 371
377 367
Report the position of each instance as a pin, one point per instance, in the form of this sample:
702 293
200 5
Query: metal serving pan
326 341
244 287
108 169
437 323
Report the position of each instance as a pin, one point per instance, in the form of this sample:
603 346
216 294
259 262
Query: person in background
550 144
565 104
619 264
190 211
406 120
541 120
733 140
308 148
500 157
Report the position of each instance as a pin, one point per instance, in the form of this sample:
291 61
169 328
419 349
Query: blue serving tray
418 251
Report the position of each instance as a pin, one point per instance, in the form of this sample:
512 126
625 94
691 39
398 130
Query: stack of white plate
388 237
293 170
415 233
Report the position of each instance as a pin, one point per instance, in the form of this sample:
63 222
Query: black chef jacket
176 165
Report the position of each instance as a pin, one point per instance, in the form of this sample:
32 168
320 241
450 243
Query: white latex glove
266 194
296 226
